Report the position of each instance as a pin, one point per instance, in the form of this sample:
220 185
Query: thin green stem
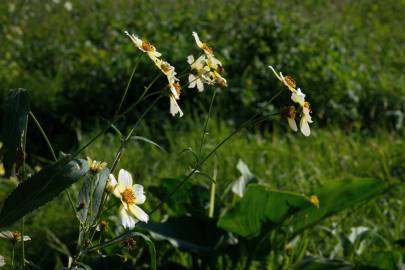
212 193
205 125
126 89
43 135
24 148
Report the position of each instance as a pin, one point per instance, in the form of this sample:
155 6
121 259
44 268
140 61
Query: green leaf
322 264
334 197
197 235
16 109
140 138
385 260
261 207
41 188
91 194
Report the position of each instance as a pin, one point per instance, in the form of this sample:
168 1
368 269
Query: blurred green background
347 56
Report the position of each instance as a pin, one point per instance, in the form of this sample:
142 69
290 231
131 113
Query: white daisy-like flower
131 195
199 71
144 46
14 236
203 46
174 107
286 80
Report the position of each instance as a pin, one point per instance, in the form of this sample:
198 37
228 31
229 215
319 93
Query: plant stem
206 124
126 89
212 194
43 135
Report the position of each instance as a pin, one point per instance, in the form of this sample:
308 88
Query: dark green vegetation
346 56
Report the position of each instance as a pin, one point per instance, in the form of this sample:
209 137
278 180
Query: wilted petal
7 234
292 124
139 194
304 126
275 73
307 114
126 219
298 97
124 178
138 213
197 40
2 261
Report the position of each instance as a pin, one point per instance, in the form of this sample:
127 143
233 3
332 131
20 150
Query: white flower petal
275 73
307 114
190 59
26 238
192 81
138 213
200 85
2 261
124 178
298 97
139 194
6 234
292 124
304 126
113 181
197 40
126 219
174 107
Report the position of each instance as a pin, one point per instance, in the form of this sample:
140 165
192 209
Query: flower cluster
297 96
167 69
131 195
206 69
96 166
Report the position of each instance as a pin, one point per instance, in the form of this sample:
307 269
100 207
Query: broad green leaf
41 188
335 196
259 208
16 109
196 235
90 195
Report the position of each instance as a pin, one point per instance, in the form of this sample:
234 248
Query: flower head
298 97
130 195
96 166
144 46
14 236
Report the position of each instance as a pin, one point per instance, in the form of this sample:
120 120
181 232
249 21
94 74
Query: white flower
298 97
305 119
204 46
197 77
14 236
144 46
287 80
130 196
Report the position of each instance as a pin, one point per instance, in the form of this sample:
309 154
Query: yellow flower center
306 104
165 67
128 196
290 81
147 46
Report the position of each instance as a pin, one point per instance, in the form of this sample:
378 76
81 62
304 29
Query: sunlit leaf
41 188
260 207
335 196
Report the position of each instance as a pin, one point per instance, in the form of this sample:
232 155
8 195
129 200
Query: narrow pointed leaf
41 188
16 109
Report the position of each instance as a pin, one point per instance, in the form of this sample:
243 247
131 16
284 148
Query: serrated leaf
16 109
41 188
260 207
335 196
